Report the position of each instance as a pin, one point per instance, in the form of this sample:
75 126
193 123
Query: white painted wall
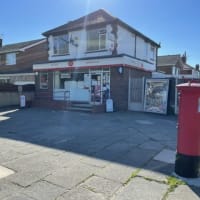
125 41
141 48
81 50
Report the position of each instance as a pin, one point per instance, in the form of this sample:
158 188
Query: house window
96 39
61 45
152 53
146 50
44 80
11 59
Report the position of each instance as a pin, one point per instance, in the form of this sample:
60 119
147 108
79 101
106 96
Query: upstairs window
11 59
61 45
96 40
152 53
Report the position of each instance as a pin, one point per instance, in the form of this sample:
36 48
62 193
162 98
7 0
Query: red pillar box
188 143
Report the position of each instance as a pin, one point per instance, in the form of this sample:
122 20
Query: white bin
22 101
109 105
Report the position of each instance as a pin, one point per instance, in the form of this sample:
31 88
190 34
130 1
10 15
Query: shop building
94 58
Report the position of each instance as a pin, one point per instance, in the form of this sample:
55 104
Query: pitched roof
98 17
168 60
187 67
18 46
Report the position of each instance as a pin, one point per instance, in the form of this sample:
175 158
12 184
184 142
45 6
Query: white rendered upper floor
101 36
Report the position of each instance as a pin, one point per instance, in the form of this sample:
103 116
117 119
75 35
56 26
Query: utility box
188 142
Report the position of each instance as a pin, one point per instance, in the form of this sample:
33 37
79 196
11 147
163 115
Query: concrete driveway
57 155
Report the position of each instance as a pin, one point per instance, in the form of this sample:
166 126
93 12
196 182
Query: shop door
136 94
96 85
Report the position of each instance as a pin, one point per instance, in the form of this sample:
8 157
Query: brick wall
25 60
44 94
120 86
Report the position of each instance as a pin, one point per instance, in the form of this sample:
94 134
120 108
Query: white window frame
152 53
145 50
11 59
61 44
101 43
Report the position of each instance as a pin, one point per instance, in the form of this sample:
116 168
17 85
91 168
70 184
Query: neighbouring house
16 61
16 72
176 66
175 69
94 58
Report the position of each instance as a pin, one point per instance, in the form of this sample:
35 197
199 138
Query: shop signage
65 75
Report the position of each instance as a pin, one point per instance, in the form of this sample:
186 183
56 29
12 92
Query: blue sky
173 23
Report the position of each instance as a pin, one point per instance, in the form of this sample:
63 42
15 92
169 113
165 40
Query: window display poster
156 95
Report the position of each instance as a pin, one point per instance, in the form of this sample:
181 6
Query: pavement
62 155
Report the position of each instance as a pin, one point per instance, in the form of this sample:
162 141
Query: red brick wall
44 94
120 86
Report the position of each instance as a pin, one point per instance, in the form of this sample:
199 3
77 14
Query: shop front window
106 86
60 79
63 80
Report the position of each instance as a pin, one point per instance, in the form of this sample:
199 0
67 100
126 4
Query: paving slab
81 193
101 185
93 161
9 155
190 181
43 190
4 172
27 178
114 151
152 145
117 172
166 155
8 188
137 157
71 177
157 170
141 189
183 192
18 197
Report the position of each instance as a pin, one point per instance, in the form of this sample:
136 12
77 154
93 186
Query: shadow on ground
105 141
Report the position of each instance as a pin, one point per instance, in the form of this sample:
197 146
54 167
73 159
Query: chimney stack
184 58
197 67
